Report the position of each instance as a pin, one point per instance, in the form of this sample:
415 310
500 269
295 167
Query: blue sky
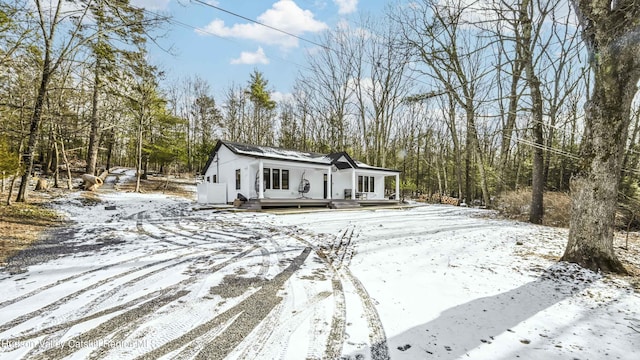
226 49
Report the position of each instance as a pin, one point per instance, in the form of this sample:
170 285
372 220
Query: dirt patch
23 223
628 251
161 184
234 286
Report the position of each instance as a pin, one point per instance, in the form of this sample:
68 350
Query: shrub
516 205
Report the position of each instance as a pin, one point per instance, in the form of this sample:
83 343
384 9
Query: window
266 177
275 179
238 179
366 184
215 178
208 178
275 174
285 180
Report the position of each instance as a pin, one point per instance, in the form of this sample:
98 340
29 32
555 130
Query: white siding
226 163
224 166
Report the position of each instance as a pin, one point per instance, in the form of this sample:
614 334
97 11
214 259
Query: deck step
251 205
344 204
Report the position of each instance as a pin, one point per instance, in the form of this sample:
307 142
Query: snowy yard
154 279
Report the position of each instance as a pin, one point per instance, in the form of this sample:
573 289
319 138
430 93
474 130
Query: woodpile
444 199
450 200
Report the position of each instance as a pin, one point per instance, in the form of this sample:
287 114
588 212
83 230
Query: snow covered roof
277 153
341 160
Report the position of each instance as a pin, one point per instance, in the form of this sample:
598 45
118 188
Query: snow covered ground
144 276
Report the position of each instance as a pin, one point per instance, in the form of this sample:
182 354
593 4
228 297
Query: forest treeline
467 100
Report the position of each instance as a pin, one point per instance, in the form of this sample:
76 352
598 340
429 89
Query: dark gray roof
274 153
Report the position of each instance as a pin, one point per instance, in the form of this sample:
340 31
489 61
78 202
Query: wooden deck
259 204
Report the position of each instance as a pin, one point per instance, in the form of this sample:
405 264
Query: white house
235 168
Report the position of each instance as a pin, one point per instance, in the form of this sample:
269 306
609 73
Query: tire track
283 318
339 251
335 340
379 347
252 310
111 325
77 276
193 348
90 306
56 304
156 294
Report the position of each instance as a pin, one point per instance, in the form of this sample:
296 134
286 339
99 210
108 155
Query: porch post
353 184
329 187
260 180
397 187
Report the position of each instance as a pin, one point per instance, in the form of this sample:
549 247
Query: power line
260 23
201 30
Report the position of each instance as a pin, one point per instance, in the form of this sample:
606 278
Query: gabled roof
268 152
273 153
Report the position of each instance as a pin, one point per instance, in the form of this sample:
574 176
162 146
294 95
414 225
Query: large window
366 184
238 182
285 179
275 179
275 175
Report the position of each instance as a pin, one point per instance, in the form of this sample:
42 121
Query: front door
325 186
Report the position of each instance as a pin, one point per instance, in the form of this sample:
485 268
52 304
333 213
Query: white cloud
248 58
284 15
279 97
346 6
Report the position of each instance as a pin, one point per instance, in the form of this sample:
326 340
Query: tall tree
440 37
209 119
611 31
527 44
49 21
113 22
380 83
263 109
62 31
330 79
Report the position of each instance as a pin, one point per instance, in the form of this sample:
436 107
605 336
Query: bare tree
380 85
527 44
611 31
331 77
49 21
440 38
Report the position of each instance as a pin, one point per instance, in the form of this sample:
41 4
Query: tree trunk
66 162
110 142
507 131
27 156
56 173
526 45
616 69
475 143
139 154
92 153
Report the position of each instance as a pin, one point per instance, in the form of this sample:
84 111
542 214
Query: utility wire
260 23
